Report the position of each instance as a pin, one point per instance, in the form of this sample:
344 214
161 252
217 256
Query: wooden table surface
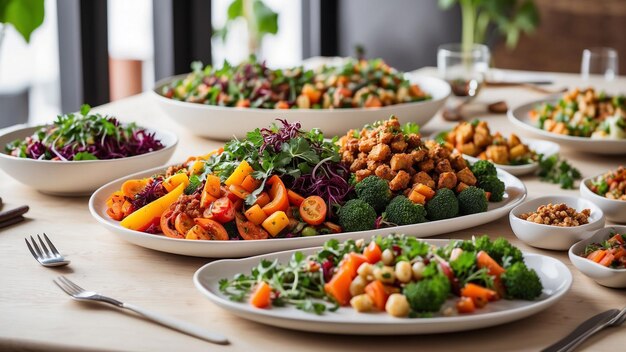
36 315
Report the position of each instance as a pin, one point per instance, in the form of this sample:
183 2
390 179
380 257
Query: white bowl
519 117
555 237
601 274
614 210
78 178
224 123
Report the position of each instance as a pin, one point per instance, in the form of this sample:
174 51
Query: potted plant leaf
24 15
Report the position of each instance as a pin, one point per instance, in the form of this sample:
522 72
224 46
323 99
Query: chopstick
12 216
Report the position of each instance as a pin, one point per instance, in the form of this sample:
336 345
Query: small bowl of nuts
556 222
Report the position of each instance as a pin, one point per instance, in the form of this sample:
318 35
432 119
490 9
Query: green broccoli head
357 215
472 200
483 168
401 211
443 205
429 294
493 185
521 282
374 191
501 249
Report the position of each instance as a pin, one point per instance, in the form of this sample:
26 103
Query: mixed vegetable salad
611 185
85 136
397 274
584 113
610 253
251 84
283 182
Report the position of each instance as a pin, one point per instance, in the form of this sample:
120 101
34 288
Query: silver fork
80 294
615 321
46 257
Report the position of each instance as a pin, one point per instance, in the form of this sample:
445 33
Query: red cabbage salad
85 136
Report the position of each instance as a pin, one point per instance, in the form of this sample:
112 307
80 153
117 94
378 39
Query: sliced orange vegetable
488 195
282 105
373 253
156 208
248 230
276 222
208 230
206 200
115 211
173 181
480 295
425 191
183 223
313 94
417 197
167 225
378 293
241 171
372 101
242 103
596 255
131 187
616 239
483 260
250 183
196 167
262 199
255 214
465 305
262 295
278 194
313 210
339 287
115 197
212 186
333 227
127 208
217 151
619 253
607 260
351 263
294 198
238 191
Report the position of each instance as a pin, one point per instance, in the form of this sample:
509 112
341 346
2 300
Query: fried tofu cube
384 171
401 162
380 152
443 166
466 176
361 174
423 178
426 165
499 154
447 180
400 181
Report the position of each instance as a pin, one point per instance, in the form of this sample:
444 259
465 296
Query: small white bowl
546 148
615 210
555 237
608 277
78 178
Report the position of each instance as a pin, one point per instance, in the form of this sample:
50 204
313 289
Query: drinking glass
599 61
464 70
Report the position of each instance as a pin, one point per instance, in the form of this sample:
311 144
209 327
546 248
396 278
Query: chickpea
362 303
388 257
385 274
359 243
357 286
418 270
403 271
366 270
397 305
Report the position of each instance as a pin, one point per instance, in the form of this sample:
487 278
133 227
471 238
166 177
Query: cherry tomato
313 210
183 223
207 229
248 230
167 226
223 210
227 193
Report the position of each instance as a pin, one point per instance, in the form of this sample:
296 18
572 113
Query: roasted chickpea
366 270
362 303
397 305
418 270
403 271
385 274
388 257
357 286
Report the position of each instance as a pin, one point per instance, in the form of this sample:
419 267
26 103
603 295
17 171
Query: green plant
509 17
24 15
259 18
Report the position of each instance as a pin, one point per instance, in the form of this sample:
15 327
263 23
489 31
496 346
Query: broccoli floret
357 215
472 200
493 185
501 248
483 168
374 191
443 205
401 211
427 295
521 282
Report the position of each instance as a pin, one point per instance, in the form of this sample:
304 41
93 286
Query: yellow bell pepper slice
173 181
241 171
196 168
275 223
142 218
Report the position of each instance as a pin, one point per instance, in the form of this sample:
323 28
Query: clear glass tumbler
464 70
602 62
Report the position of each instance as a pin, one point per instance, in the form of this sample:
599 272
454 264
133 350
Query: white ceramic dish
515 194
224 123
604 276
546 148
614 210
554 275
520 118
554 237
78 178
